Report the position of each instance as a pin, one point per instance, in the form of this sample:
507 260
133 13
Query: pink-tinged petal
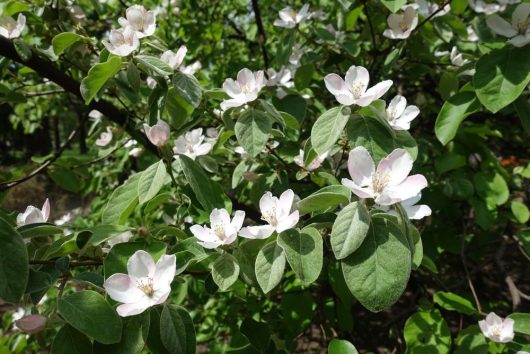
407 189
126 310
520 41
165 269
203 149
411 201
484 327
286 201
376 91
219 217
231 88
256 232
245 78
259 79
335 84
237 221
123 22
31 324
361 166
345 99
417 212
507 333
288 222
33 215
120 287
397 106
357 76
493 319
46 210
141 265
361 192
162 297
395 167
500 26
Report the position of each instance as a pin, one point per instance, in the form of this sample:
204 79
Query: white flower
518 31
158 134
471 34
135 152
191 144
353 90
289 18
143 22
457 59
146 284
296 54
212 133
104 138
313 165
497 329
426 9
151 82
245 89
242 152
34 215
174 60
401 25
122 42
76 12
276 212
489 8
95 115
399 115
10 28
390 183
413 211
121 238
283 77
191 69
222 231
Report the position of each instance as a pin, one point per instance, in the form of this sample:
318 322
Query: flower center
379 183
403 25
522 27
270 217
147 286
496 331
357 90
219 231
391 115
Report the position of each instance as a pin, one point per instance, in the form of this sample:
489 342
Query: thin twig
371 26
261 32
447 2
466 270
43 93
71 264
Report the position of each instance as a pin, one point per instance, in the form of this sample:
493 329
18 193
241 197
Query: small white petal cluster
174 59
104 138
222 230
34 215
488 8
518 31
401 25
289 17
413 210
158 134
146 284
497 329
427 9
244 89
399 115
296 55
276 212
390 183
122 42
10 28
281 79
313 165
191 144
354 89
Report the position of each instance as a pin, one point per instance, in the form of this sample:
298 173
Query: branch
47 69
431 15
261 32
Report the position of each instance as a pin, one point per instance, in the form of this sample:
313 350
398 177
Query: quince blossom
245 89
389 183
34 215
222 231
143 22
104 138
313 165
426 9
174 59
158 134
146 284
276 212
289 17
488 8
399 115
122 42
518 31
414 211
497 329
191 144
401 25
10 28
353 90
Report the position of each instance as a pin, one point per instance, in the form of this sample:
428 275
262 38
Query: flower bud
158 134
31 324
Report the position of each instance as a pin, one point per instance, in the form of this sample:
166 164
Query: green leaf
257 333
133 77
176 330
188 88
269 266
325 198
135 330
522 322
225 271
501 76
151 181
470 340
304 75
153 66
208 192
520 212
522 107
178 109
122 202
349 229
453 113
304 252
102 233
454 302
97 76
89 312
39 230
116 260
371 133
154 342
252 131
328 128
394 5
340 346
70 341
491 187
14 269
426 332
378 272
64 40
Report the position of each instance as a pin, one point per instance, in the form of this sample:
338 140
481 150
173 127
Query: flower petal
361 192
417 212
288 222
285 202
267 202
397 106
395 167
46 210
361 166
335 84
120 287
237 221
141 264
256 232
500 26
125 310
357 76
411 186
219 217
165 269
